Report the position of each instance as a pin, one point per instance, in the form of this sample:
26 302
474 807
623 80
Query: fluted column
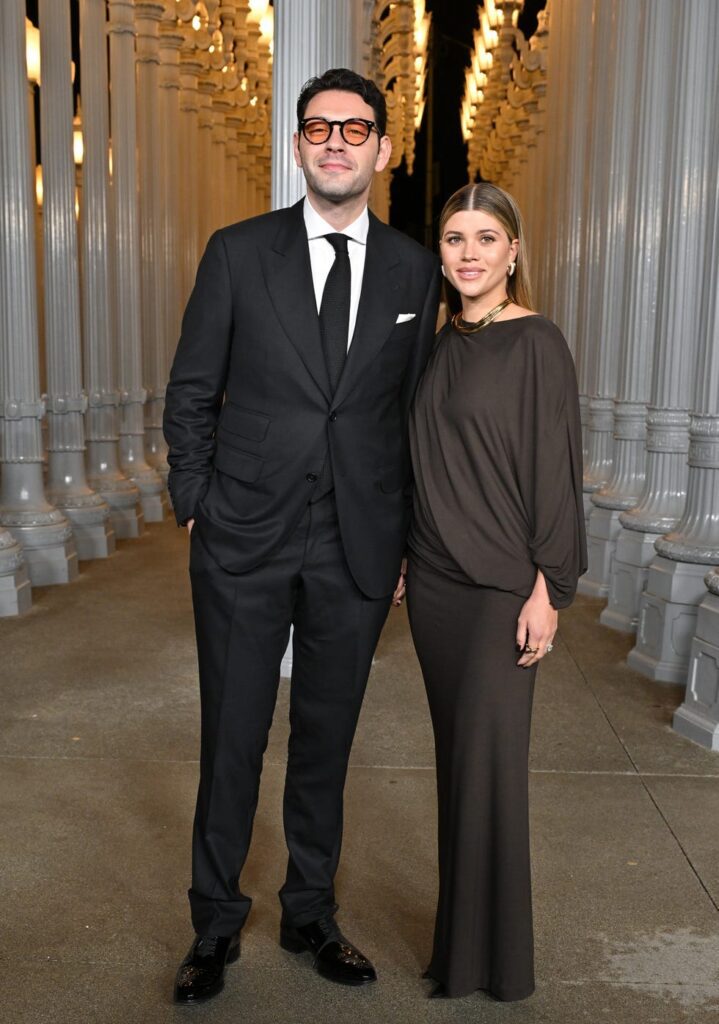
42 530
603 527
667 610
206 89
66 402
232 154
150 134
190 68
127 262
647 183
575 50
220 106
306 39
599 369
171 39
102 418
698 716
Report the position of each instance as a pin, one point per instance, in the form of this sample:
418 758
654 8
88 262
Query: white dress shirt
322 255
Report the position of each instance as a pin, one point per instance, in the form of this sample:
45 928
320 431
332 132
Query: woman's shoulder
543 333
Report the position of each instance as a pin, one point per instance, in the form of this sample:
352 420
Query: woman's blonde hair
500 205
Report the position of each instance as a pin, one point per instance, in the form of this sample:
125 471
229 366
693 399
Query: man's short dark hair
346 81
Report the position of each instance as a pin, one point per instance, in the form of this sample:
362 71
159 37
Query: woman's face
476 253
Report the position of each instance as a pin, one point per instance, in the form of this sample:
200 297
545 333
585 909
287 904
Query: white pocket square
402 318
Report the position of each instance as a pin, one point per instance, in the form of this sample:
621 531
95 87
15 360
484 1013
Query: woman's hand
536 625
401 588
189 524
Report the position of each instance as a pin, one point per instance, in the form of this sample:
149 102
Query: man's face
336 171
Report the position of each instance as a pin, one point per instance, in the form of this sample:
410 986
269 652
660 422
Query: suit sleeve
197 381
423 345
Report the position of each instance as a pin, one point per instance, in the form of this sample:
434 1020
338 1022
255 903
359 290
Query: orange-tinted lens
355 132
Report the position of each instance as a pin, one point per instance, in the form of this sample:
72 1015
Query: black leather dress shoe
334 957
202 973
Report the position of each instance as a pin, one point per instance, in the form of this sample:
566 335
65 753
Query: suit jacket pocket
237 464
244 422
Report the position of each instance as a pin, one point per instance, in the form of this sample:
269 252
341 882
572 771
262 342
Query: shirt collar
317 226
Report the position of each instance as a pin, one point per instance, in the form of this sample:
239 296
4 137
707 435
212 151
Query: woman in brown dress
496 547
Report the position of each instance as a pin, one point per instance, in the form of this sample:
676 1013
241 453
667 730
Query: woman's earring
444 272
511 268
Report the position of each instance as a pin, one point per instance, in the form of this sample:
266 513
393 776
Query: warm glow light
196 23
267 26
32 51
78 149
38 185
258 10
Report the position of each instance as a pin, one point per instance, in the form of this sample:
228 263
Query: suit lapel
378 306
288 276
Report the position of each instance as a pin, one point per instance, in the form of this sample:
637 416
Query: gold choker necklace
465 328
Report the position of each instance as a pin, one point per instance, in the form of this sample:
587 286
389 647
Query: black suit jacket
249 416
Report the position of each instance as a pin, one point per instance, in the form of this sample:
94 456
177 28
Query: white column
101 419
170 253
311 36
644 240
603 526
42 531
571 127
150 133
698 716
600 348
190 68
66 402
127 262
667 611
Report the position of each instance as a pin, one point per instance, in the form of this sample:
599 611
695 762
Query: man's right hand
189 524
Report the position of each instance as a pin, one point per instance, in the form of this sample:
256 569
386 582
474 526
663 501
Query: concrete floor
98 752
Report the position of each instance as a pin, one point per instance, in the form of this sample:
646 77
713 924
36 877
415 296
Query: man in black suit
286 417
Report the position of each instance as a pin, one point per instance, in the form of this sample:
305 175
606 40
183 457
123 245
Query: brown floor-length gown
496 451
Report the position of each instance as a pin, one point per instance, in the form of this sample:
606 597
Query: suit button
333 417
311 478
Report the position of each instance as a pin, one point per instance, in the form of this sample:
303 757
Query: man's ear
296 148
385 151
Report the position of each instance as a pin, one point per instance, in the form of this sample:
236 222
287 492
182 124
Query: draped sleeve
557 540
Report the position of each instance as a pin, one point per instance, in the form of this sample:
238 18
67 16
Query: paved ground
98 754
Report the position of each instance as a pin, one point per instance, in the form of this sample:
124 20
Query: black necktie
335 310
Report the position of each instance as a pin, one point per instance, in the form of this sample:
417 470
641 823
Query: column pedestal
604 529
15 595
42 531
667 619
698 717
633 554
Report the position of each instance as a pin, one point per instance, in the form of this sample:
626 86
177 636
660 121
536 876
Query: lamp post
99 361
42 530
66 402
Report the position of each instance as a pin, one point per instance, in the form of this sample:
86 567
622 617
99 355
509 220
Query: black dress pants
242 625
481 707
